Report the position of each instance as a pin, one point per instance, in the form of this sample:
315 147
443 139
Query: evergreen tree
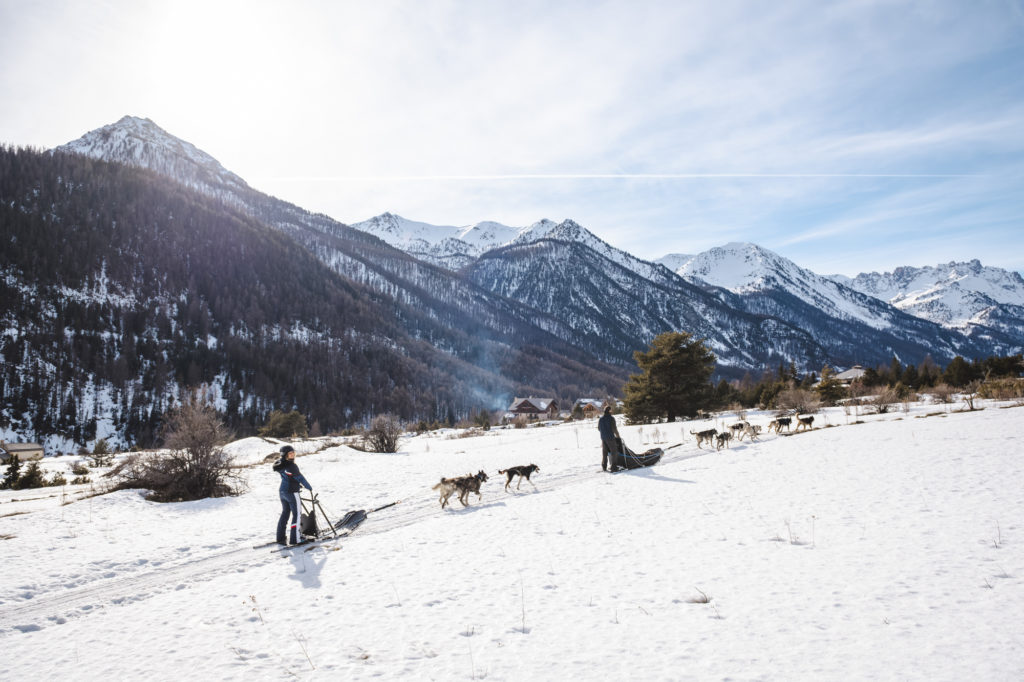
895 370
829 388
32 477
958 373
10 480
674 378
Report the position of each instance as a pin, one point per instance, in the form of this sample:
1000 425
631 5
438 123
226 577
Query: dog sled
312 532
627 459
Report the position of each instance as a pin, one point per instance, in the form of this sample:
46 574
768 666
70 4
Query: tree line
674 381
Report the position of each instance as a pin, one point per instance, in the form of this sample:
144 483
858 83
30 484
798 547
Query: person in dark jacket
609 440
291 479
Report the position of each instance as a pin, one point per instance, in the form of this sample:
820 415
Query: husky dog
777 424
520 471
738 429
805 422
752 430
470 484
464 485
446 488
706 435
722 439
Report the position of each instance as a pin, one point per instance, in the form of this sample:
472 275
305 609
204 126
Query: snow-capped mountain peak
675 261
955 295
747 269
740 267
141 142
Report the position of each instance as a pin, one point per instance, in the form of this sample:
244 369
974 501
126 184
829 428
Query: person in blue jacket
291 479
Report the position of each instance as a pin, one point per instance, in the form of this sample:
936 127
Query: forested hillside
120 288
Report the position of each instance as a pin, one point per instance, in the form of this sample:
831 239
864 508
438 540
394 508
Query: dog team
744 428
470 483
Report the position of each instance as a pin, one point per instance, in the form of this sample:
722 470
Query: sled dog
722 439
520 471
470 484
752 430
805 422
738 429
446 488
706 435
464 485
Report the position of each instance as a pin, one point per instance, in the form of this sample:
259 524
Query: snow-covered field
891 549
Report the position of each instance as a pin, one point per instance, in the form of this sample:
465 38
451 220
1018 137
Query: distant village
547 408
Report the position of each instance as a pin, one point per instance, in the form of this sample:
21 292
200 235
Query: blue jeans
290 506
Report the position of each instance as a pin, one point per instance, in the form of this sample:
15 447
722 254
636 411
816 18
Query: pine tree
958 373
32 477
829 388
10 480
674 381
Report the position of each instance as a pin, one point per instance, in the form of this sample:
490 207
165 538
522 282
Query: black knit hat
285 449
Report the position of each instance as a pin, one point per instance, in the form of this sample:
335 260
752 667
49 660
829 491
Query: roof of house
15 448
855 372
541 404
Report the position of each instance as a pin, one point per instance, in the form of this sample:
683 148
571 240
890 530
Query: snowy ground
889 549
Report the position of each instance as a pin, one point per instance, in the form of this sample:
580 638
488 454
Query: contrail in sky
615 176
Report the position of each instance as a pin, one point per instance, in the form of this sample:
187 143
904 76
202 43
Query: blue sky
846 136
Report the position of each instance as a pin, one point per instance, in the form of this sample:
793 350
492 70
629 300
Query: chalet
592 407
534 408
849 376
24 451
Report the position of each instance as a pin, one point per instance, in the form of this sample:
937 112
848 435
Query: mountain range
436 319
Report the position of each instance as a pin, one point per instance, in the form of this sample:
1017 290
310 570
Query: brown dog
464 485
470 484
706 435
520 471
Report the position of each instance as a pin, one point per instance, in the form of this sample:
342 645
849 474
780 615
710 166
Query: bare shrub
882 402
383 434
943 393
798 400
1002 389
193 468
970 393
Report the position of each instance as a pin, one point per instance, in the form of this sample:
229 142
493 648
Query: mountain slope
154 288
437 305
611 306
